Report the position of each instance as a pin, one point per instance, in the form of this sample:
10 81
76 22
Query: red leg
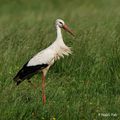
43 89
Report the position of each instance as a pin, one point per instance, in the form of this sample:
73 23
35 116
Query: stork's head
61 24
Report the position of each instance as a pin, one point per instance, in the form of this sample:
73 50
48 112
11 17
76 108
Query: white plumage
53 52
44 59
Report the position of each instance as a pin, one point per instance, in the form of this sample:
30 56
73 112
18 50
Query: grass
79 87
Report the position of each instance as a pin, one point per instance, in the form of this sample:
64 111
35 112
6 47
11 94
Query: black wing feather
27 72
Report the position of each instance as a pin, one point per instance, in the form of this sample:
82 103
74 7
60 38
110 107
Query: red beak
65 27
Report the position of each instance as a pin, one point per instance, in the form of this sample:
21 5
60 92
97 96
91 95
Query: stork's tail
17 80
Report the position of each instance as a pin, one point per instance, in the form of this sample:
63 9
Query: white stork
44 59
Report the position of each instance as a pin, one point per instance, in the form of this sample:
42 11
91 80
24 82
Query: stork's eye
61 23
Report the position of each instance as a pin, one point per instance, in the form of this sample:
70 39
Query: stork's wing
44 57
38 62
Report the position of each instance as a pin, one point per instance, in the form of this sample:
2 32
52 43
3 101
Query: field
83 86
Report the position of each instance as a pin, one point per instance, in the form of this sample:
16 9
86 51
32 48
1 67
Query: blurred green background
79 87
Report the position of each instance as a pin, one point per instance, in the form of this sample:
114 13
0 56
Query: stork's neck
59 34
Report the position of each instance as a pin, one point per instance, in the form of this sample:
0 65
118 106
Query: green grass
78 87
